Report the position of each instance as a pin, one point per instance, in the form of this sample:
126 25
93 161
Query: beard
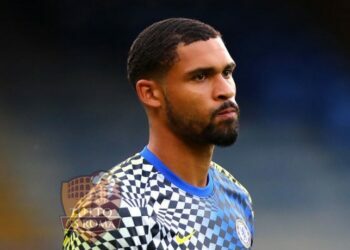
193 130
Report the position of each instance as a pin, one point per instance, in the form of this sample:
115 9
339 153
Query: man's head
154 50
182 73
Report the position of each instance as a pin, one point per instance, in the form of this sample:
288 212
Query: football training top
141 204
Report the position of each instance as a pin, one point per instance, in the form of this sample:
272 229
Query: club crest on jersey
243 233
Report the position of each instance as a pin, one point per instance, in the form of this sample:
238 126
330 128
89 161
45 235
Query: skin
196 86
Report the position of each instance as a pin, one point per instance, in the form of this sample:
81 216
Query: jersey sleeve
245 197
104 220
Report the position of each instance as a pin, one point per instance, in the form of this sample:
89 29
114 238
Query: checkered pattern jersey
140 205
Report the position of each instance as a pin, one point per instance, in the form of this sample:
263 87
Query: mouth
228 113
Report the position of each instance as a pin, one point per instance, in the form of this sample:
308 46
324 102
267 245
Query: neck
190 162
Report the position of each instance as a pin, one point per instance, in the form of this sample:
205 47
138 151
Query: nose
224 89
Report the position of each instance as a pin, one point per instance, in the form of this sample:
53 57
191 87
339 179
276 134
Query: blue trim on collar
177 181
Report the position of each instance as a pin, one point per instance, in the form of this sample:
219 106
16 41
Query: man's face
200 94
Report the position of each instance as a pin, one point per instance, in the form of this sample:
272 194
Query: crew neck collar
176 180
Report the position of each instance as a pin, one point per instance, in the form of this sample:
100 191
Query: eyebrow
208 70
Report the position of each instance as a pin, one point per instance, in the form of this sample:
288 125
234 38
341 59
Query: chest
183 221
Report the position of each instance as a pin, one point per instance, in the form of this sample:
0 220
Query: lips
227 111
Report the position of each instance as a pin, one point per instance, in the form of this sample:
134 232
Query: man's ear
149 93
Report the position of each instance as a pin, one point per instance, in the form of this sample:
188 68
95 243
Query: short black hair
153 52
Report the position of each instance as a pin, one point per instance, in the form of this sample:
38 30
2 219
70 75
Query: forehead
203 54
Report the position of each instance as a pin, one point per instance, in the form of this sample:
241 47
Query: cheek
192 101
194 108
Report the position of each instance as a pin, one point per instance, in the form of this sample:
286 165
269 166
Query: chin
224 140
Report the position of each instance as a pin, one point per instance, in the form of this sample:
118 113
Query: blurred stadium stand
67 110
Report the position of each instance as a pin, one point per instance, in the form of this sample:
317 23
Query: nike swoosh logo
182 240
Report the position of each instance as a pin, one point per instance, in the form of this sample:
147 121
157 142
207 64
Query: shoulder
131 178
133 166
114 210
226 179
134 171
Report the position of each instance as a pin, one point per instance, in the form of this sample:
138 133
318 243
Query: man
171 195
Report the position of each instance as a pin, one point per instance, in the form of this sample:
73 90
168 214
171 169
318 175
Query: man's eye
200 77
227 73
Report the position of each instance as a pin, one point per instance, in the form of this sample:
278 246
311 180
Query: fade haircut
153 52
